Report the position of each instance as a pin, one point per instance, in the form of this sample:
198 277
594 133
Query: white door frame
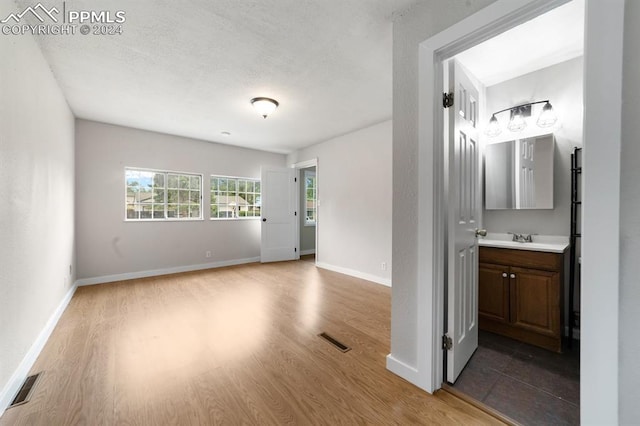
604 24
303 165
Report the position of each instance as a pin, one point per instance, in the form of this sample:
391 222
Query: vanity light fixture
264 106
518 115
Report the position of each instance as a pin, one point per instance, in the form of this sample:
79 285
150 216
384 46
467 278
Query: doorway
416 349
503 372
307 177
308 211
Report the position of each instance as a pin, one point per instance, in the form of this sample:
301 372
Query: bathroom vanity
521 289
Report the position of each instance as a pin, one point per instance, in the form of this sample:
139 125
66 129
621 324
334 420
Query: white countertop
548 243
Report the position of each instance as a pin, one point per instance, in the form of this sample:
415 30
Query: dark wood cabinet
521 295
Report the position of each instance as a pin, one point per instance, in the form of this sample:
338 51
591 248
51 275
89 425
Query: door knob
264 219
504 275
513 275
481 232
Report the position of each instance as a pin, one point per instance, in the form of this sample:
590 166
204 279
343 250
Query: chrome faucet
522 238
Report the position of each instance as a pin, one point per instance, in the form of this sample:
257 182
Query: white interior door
279 214
463 216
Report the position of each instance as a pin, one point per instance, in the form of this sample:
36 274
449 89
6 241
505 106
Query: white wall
355 197
629 375
410 28
37 192
562 85
108 246
307 233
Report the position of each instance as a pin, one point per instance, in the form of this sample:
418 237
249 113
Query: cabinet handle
513 275
504 275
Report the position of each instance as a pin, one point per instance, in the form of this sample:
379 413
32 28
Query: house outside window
162 195
235 198
311 203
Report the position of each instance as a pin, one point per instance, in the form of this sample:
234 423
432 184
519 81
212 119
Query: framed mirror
518 174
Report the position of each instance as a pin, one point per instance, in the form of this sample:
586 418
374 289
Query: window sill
310 224
226 219
165 220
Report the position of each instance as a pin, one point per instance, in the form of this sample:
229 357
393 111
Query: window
310 191
160 195
234 198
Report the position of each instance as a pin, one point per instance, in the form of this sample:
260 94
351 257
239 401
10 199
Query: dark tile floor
531 385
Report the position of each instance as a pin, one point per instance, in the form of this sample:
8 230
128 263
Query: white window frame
310 173
237 191
166 174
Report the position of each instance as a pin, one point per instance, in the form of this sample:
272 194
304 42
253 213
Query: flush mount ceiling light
264 106
518 116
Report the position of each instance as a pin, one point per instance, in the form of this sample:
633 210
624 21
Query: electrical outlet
383 266
207 254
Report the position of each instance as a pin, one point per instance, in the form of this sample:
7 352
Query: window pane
158 196
158 180
183 197
231 184
172 196
194 197
250 186
173 182
242 185
131 212
172 210
257 186
158 211
195 182
222 184
195 211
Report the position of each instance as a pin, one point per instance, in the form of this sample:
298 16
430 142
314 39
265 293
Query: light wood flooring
234 345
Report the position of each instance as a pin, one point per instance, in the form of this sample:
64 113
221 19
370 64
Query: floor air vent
26 390
341 346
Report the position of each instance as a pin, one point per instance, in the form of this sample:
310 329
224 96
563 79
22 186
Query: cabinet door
493 292
535 300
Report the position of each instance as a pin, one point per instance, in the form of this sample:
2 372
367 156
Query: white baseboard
164 271
305 252
20 374
401 369
354 273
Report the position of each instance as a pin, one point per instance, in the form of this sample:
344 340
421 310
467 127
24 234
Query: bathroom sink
548 243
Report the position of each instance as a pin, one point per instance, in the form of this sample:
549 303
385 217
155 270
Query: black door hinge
295 249
447 343
447 99
295 213
295 179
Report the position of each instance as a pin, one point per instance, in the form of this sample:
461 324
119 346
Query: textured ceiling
190 68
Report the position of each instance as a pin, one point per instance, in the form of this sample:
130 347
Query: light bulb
493 129
517 122
547 117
